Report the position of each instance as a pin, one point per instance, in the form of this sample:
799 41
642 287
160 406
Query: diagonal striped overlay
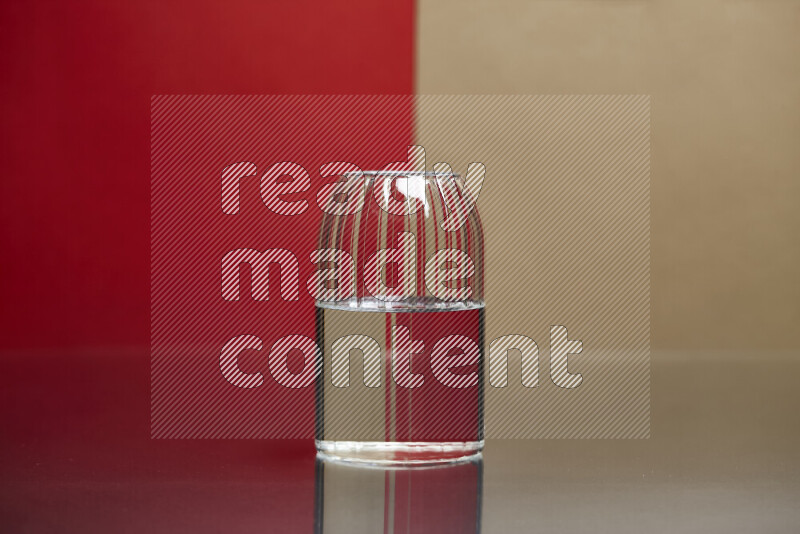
566 216
206 151
565 209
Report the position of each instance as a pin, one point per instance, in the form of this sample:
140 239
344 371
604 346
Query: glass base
399 454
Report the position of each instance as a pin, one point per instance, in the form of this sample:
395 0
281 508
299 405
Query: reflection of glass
355 499
403 342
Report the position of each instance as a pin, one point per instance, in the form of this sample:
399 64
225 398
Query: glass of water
400 320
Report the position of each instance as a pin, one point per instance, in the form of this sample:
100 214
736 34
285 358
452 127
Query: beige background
567 245
724 80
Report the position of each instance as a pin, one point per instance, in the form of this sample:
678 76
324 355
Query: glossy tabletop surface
724 456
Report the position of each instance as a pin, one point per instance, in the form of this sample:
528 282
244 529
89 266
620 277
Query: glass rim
424 174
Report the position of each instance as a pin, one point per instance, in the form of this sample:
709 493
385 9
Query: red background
77 78
77 82
194 139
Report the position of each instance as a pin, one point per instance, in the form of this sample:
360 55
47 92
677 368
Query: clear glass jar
402 325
